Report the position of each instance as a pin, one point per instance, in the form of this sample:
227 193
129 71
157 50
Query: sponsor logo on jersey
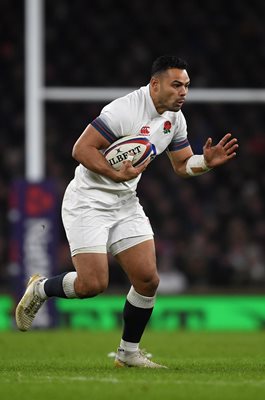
145 130
167 127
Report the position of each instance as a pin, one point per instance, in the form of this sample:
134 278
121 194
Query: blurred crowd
209 230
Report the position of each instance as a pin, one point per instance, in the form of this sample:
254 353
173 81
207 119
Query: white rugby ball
134 148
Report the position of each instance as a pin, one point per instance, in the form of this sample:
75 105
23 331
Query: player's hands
224 151
128 171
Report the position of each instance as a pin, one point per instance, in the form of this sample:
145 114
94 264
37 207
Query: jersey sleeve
115 120
179 140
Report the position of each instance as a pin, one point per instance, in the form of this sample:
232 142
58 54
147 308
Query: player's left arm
186 164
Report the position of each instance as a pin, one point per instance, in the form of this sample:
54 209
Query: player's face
170 90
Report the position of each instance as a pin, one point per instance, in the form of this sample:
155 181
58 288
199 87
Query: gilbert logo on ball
137 149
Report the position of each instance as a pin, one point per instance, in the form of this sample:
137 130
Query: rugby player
101 212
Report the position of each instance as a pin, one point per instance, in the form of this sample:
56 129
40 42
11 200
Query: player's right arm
86 151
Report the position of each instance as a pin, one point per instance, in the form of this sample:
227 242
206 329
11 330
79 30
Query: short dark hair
163 63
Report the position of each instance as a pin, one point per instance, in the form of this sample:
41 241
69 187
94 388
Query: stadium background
210 231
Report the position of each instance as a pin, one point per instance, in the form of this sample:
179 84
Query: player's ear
154 83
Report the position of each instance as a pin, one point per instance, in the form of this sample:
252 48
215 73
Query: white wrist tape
196 165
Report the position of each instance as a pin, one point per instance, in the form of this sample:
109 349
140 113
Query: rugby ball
134 148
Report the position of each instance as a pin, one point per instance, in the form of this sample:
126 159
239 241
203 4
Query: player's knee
98 287
91 289
154 282
150 284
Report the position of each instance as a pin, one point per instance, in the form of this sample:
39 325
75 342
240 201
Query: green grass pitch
74 365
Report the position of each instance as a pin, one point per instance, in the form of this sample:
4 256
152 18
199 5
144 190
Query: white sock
129 346
138 300
68 285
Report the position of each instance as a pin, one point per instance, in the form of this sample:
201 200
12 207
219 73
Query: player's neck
160 108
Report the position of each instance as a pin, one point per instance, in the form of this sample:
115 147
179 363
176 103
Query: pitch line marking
65 379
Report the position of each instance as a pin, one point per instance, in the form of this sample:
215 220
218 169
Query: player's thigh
86 225
92 271
139 263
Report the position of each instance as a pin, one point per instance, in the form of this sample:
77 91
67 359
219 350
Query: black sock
135 320
54 286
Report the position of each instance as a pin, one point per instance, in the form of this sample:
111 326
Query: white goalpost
34 79
36 94
110 93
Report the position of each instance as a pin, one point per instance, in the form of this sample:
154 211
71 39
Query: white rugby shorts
100 222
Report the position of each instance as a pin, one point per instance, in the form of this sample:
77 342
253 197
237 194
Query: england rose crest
167 127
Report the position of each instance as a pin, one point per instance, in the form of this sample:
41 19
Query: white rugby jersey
131 115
